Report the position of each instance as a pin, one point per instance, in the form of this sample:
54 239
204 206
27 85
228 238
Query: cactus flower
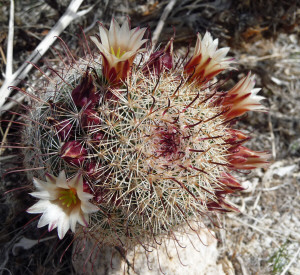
118 47
242 98
207 61
63 203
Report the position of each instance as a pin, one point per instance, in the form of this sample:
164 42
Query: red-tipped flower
118 47
242 98
206 61
246 159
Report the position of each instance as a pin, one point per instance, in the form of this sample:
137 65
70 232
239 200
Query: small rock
108 260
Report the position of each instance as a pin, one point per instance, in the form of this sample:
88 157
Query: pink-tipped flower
118 47
207 61
242 98
63 203
246 159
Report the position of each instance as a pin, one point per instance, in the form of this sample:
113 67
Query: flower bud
230 184
244 158
63 128
85 92
89 118
160 60
73 152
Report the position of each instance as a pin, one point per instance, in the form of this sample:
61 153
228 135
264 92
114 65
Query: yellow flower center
118 54
68 197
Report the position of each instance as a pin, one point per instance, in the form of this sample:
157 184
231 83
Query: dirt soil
264 36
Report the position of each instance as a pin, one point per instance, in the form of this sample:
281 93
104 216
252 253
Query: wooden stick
41 49
10 41
161 23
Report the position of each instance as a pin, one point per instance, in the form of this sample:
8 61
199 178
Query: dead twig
70 14
10 41
272 137
161 23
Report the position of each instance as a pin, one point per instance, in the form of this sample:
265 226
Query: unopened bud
73 152
85 92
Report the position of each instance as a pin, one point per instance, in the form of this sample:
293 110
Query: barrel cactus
126 144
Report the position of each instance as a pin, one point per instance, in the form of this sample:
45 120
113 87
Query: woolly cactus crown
144 146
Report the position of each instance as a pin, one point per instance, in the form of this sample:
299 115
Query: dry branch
14 79
161 23
10 40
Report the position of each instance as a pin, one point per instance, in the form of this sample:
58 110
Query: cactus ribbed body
153 146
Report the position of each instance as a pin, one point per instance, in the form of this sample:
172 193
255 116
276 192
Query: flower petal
89 208
39 207
63 226
44 195
62 181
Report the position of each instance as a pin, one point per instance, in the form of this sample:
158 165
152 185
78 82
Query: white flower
62 202
119 46
207 61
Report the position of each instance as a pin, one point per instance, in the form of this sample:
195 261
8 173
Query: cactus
143 145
